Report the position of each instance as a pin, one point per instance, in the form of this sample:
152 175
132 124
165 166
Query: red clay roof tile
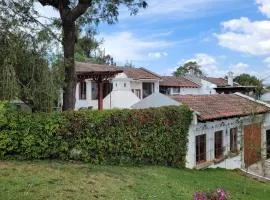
218 106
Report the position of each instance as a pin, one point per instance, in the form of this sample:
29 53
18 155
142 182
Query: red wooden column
100 94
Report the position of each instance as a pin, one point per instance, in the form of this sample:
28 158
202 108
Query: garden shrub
149 136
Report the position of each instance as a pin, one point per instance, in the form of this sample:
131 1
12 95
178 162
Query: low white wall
120 99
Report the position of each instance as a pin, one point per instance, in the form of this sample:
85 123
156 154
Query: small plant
219 194
200 196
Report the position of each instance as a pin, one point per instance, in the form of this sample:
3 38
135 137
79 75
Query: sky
221 35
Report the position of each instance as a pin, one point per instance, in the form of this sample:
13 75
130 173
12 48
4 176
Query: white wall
88 102
207 87
121 95
120 99
266 97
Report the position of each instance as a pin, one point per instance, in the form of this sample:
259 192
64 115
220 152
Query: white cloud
181 8
46 12
124 46
207 62
246 36
157 55
264 6
239 68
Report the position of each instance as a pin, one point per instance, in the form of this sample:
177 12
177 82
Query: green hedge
150 136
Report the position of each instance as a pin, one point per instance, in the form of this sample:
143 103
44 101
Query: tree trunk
69 64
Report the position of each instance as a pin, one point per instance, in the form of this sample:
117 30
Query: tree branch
81 8
54 3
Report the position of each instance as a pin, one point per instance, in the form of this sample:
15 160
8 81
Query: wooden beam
100 93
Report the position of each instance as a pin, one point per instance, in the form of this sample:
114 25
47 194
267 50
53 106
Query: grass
62 180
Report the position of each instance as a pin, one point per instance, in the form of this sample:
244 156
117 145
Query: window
94 90
82 90
200 149
138 93
218 144
176 90
233 140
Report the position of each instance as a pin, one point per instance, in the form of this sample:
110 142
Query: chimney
230 79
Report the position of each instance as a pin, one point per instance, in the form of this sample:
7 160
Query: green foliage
249 80
191 68
150 136
25 74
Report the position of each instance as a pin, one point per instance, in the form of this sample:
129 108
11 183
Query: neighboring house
226 86
221 124
121 87
189 84
171 85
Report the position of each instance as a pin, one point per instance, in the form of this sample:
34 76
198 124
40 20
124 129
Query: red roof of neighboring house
218 106
220 82
90 67
139 73
172 81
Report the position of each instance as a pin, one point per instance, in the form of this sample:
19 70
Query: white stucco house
227 131
191 84
123 89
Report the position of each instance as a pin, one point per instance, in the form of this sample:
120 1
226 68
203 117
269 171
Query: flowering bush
219 194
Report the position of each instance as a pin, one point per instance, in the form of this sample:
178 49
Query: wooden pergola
98 73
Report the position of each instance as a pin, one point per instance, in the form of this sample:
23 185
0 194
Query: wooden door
200 149
268 144
252 144
218 144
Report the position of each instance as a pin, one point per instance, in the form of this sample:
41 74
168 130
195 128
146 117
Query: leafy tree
73 14
189 68
25 74
87 49
249 80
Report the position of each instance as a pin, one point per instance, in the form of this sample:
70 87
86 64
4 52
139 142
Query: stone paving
261 169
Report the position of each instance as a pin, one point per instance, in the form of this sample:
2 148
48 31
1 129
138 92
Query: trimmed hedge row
150 136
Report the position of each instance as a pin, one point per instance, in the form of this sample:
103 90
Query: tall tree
191 68
73 13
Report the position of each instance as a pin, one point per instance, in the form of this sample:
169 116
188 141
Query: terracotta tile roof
139 73
220 82
218 106
171 81
90 67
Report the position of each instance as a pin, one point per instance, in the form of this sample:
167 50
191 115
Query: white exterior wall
156 87
185 91
88 102
121 95
266 97
209 128
207 87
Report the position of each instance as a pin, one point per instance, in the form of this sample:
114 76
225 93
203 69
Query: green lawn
61 180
